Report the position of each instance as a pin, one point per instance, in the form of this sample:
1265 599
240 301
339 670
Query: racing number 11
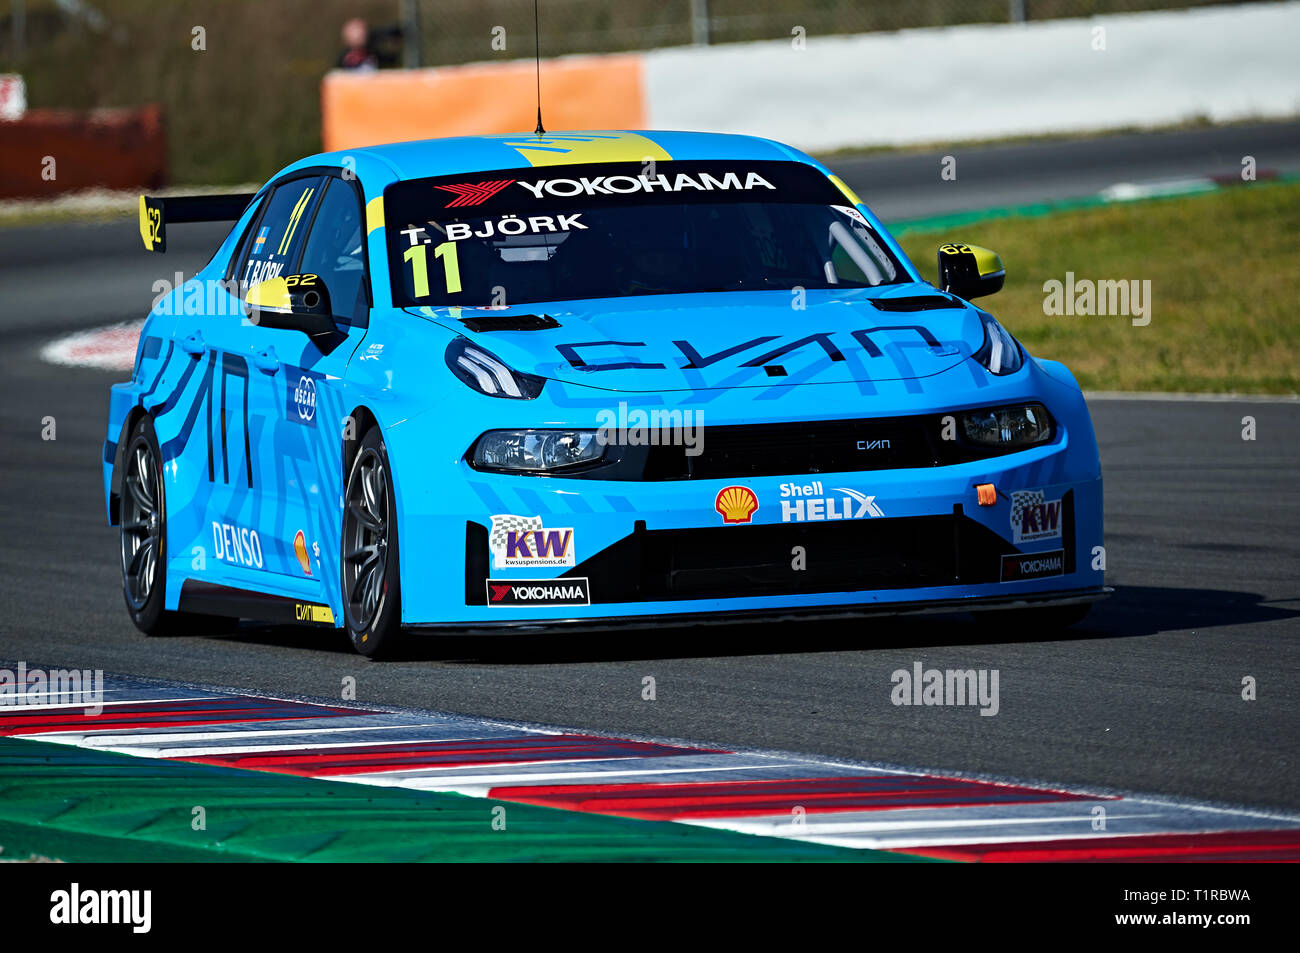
420 267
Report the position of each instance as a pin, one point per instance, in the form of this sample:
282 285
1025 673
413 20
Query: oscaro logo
237 545
304 398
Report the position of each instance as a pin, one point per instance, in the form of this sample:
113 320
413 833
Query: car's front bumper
659 549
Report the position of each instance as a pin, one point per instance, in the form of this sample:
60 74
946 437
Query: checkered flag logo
1019 500
503 525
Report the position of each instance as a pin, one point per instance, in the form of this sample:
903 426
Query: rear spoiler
157 213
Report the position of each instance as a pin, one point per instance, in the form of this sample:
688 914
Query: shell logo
737 504
300 550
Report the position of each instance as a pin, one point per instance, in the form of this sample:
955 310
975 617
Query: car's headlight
534 450
1008 427
488 374
1000 353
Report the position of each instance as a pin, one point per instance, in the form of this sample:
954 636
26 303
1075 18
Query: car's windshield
621 229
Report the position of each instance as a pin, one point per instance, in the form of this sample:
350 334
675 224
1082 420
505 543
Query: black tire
143 534
372 606
1046 620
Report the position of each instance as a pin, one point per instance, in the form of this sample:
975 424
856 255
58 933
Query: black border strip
209 598
1064 597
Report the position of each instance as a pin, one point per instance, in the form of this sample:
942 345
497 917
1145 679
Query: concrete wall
913 86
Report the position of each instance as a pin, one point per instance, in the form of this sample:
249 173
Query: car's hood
725 340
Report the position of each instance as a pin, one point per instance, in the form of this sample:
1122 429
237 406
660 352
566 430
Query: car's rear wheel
371 585
143 531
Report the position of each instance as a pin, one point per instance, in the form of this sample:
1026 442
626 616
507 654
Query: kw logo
1034 517
547 544
474 193
524 541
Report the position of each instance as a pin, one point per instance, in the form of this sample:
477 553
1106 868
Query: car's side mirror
295 303
969 271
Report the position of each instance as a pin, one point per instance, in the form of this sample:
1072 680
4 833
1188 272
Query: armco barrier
914 86
102 148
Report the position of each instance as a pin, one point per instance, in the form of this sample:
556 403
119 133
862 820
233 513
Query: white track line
1192 398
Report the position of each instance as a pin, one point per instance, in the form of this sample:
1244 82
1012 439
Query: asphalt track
1144 696
909 185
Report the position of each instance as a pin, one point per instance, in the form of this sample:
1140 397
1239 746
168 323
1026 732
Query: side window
335 251
275 241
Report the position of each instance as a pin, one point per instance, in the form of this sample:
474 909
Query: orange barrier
580 92
103 148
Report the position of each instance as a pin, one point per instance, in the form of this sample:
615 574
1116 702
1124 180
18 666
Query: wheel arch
133 417
364 421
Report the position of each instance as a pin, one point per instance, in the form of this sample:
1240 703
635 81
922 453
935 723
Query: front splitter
1070 597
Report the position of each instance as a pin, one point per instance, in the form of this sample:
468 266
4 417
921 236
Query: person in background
365 49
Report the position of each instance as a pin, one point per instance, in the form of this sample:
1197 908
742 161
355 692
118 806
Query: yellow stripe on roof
573 148
848 192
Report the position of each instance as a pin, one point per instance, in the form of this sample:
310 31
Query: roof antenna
537 58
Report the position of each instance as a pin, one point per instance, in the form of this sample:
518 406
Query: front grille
837 556
841 556
741 451
835 446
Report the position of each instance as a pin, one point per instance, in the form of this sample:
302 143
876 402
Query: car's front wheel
371 587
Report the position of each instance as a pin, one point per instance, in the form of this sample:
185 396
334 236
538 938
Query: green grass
1222 273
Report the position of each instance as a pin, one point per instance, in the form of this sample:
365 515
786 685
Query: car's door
308 429
229 408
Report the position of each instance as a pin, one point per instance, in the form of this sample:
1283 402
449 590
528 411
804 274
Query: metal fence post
411 38
700 22
18 10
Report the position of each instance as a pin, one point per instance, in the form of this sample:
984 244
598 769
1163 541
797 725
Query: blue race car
596 379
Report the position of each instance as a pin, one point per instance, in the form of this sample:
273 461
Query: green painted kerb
74 804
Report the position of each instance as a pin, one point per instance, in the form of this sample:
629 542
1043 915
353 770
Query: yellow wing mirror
293 302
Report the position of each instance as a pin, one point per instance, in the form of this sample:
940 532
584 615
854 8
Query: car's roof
430 157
